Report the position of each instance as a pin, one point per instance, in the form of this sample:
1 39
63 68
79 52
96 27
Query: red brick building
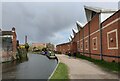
100 37
42 45
9 44
74 42
111 38
64 48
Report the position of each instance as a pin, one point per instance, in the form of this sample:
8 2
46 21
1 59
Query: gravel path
83 69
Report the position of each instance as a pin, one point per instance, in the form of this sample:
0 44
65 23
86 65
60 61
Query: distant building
39 45
9 42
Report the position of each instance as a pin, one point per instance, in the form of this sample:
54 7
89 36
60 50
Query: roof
38 44
71 36
7 33
92 11
99 10
74 32
63 44
79 25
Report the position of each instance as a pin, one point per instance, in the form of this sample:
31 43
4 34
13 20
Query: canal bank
83 69
37 67
60 72
54 69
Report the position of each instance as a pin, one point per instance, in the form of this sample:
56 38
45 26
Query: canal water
37 67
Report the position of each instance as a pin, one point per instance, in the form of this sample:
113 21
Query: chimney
25 39
13 29
0 33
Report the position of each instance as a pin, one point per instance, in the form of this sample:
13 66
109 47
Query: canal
36 67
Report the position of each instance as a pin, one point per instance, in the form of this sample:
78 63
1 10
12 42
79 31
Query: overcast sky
46 22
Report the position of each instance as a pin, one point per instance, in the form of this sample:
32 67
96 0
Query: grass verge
60 73
109 66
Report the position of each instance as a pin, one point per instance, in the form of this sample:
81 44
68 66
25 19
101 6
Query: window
112 39
86 45
68 47
93 14
81 46
94 43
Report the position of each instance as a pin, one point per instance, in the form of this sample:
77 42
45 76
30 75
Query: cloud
43 22
38 20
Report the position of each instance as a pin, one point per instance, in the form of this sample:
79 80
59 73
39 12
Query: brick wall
14 42
95 37
74 43
89 39
86 40
81 41
111 38
63 48
119 36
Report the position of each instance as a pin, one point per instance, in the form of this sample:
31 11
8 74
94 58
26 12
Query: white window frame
7 36
68 47
93 43
86 42
115 30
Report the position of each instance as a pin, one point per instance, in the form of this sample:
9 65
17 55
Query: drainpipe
100 27
71 47
89 39
79 40
83 40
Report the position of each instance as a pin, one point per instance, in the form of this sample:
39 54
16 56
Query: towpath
83 69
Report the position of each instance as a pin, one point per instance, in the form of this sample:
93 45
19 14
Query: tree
50 46
27 46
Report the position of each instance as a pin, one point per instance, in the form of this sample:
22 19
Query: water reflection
37 67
